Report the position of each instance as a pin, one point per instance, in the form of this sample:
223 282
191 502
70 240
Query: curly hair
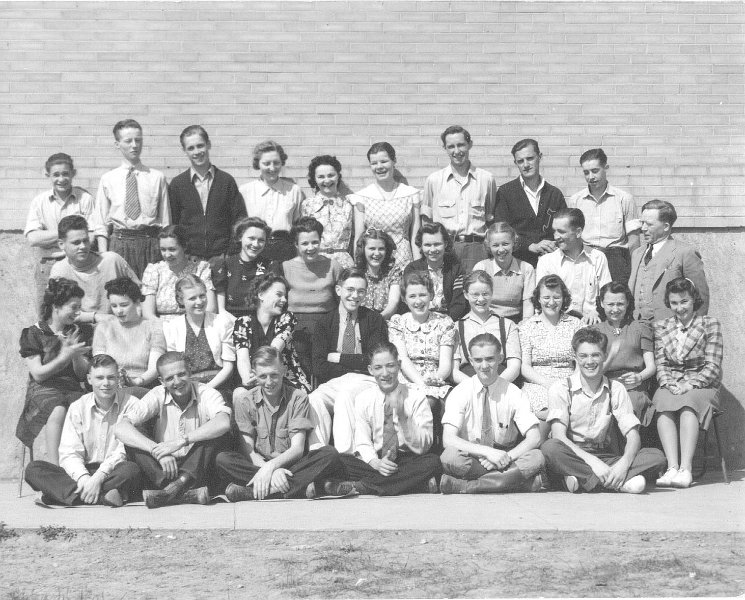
124 286
552 282
58 293
433 228
246 223
683 285
175 232
382 147
418 278
318 161
306 225
264 147
616 287
590 335
390 247
261 284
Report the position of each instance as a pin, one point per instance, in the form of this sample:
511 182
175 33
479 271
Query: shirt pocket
281 439
447 207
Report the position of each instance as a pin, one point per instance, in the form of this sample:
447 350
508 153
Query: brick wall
659 85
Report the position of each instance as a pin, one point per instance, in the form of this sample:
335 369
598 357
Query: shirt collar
168 399
73 195
609 191
585 250
575 380
282 186
210 172
451 173
138 167
115 406
472 317
284 398
513 268
344 314
527 189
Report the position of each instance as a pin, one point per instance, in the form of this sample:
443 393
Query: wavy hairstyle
390 247
58 293
551 282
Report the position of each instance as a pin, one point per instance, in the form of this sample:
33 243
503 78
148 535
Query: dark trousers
561 461
619 263
199 463
318 465
137 246
469 253
59 488
414 471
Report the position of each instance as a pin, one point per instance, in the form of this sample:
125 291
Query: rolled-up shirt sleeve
524 417
299 418
559 400
622 409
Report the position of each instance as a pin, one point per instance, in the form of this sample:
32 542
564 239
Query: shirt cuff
627 422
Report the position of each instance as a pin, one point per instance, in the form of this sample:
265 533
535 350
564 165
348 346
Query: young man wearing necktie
491 437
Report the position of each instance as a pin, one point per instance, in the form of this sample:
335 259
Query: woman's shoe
667 479
683 479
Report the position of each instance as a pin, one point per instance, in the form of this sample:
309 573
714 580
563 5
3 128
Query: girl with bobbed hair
689 350
374 254
330 207
630 347
388 204
56 350
546 343
268 323
274 199
134 341
206 339
159 279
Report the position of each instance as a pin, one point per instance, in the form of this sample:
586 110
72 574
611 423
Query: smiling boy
581 411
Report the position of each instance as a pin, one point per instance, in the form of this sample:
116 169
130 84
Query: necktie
132 200
648 255
347 343
390 437
487 429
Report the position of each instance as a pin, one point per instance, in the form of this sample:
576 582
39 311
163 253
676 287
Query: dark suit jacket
675 259
372 331
514 207
452 286
208 234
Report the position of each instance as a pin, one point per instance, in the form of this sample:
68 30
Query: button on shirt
533 197
172 422
510 411
412 419
588 418
111 198
584 276
203 184
272 427
47 210
462 205
608 219
88 435
279 206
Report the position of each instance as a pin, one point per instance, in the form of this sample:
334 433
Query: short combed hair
371 233
306 225
169 358
100 361
267 146
349 273
494 229
318 161
590 335
522 144
123 286
265 356
71 223
261 284
551 282
59 291
575 217
418 278
247 223
124 124
666 211
192 130
58 159
478 276
381 347
485 339
615 287
683 285
382 147
176 232
453 129
187 282
594 154
433 228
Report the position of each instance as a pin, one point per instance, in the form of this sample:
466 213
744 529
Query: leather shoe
239 493
196 496
113 498
452 485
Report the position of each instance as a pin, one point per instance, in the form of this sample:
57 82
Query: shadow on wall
732 431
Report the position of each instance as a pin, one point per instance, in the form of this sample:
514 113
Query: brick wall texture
659 85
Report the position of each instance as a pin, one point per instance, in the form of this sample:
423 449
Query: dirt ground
141 564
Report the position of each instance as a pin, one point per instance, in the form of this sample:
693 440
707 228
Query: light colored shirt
88 435
106 266
511 288
510 411
160 281
46 211
203 184
657 246
279 206
533 197
217 328
584 276
608 219
412 419
473 326
172 422
462 205
152 190
588 418
131 344
344 316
